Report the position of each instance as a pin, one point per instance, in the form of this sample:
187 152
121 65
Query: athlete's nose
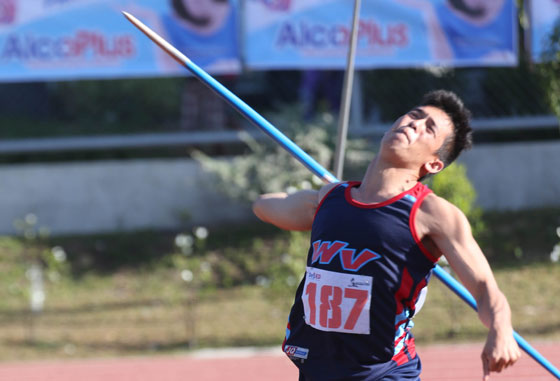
413 125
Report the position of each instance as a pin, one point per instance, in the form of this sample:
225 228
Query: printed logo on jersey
326 251
297 352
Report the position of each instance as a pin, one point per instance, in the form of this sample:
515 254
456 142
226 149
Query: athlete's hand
500 351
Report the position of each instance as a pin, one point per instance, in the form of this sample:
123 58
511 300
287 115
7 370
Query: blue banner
392 33
74 39
544 15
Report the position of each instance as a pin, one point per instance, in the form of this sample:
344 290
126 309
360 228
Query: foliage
269 168
550 68
453 185
276 265
142 102
36 250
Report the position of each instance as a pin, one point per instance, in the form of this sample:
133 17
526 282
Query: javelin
237 103
308 161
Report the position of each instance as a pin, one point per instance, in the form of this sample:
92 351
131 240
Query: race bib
337 302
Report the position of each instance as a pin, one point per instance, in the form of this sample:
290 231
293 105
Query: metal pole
346 95
311 164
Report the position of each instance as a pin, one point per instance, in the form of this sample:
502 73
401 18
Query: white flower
316 180
30 219
262 281
183 240
327 118
558 231
291 280
555 255
291 189
305 185
187 275
58 253
201 232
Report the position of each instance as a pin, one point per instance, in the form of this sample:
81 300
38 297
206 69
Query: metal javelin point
310 163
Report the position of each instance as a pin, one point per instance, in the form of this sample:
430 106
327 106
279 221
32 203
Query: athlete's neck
383 181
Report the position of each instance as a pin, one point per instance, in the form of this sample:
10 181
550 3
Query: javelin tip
166 46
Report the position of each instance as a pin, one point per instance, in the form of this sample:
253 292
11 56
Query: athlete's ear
434 166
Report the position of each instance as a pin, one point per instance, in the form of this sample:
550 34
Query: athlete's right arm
290 211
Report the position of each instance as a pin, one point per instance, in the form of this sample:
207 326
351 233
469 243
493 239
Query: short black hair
461 138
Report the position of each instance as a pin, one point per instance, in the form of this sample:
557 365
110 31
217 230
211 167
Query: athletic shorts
410 371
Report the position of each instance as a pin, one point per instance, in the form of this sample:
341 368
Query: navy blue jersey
352 313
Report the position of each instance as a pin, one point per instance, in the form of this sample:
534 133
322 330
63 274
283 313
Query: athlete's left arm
449 230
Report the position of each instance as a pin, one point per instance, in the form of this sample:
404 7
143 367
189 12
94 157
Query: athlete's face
415 138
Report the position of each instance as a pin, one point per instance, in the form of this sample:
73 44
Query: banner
73 39
544 15
392 33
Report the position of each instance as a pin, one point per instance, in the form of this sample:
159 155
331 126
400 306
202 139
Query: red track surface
450 362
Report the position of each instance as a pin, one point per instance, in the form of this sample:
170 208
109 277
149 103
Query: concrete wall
515 176
112 195
126 195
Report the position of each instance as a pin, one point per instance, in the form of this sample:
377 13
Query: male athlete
373 246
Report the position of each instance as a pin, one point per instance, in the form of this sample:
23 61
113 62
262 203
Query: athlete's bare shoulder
437 215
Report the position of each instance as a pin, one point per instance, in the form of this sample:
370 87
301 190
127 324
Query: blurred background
126 184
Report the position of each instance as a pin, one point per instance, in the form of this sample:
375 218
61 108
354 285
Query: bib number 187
336 301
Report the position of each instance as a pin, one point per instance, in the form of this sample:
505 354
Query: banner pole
309 162
346 100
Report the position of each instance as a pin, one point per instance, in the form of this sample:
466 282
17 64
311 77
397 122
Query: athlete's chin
395 144
396 154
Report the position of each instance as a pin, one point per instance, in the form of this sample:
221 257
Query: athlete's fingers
485 368
514 357
497 365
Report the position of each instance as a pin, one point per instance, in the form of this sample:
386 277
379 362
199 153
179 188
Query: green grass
123 294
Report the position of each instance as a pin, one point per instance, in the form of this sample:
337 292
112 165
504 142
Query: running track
450 363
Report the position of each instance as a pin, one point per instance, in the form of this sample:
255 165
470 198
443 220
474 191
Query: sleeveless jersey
366 267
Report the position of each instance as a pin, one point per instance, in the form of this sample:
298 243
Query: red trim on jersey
408 351
401 357
324 198
348 195
404 290
288 327
415 207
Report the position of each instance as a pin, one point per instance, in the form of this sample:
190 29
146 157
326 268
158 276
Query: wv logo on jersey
325 251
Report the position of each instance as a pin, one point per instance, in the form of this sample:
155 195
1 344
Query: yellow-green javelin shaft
237 103
309 162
